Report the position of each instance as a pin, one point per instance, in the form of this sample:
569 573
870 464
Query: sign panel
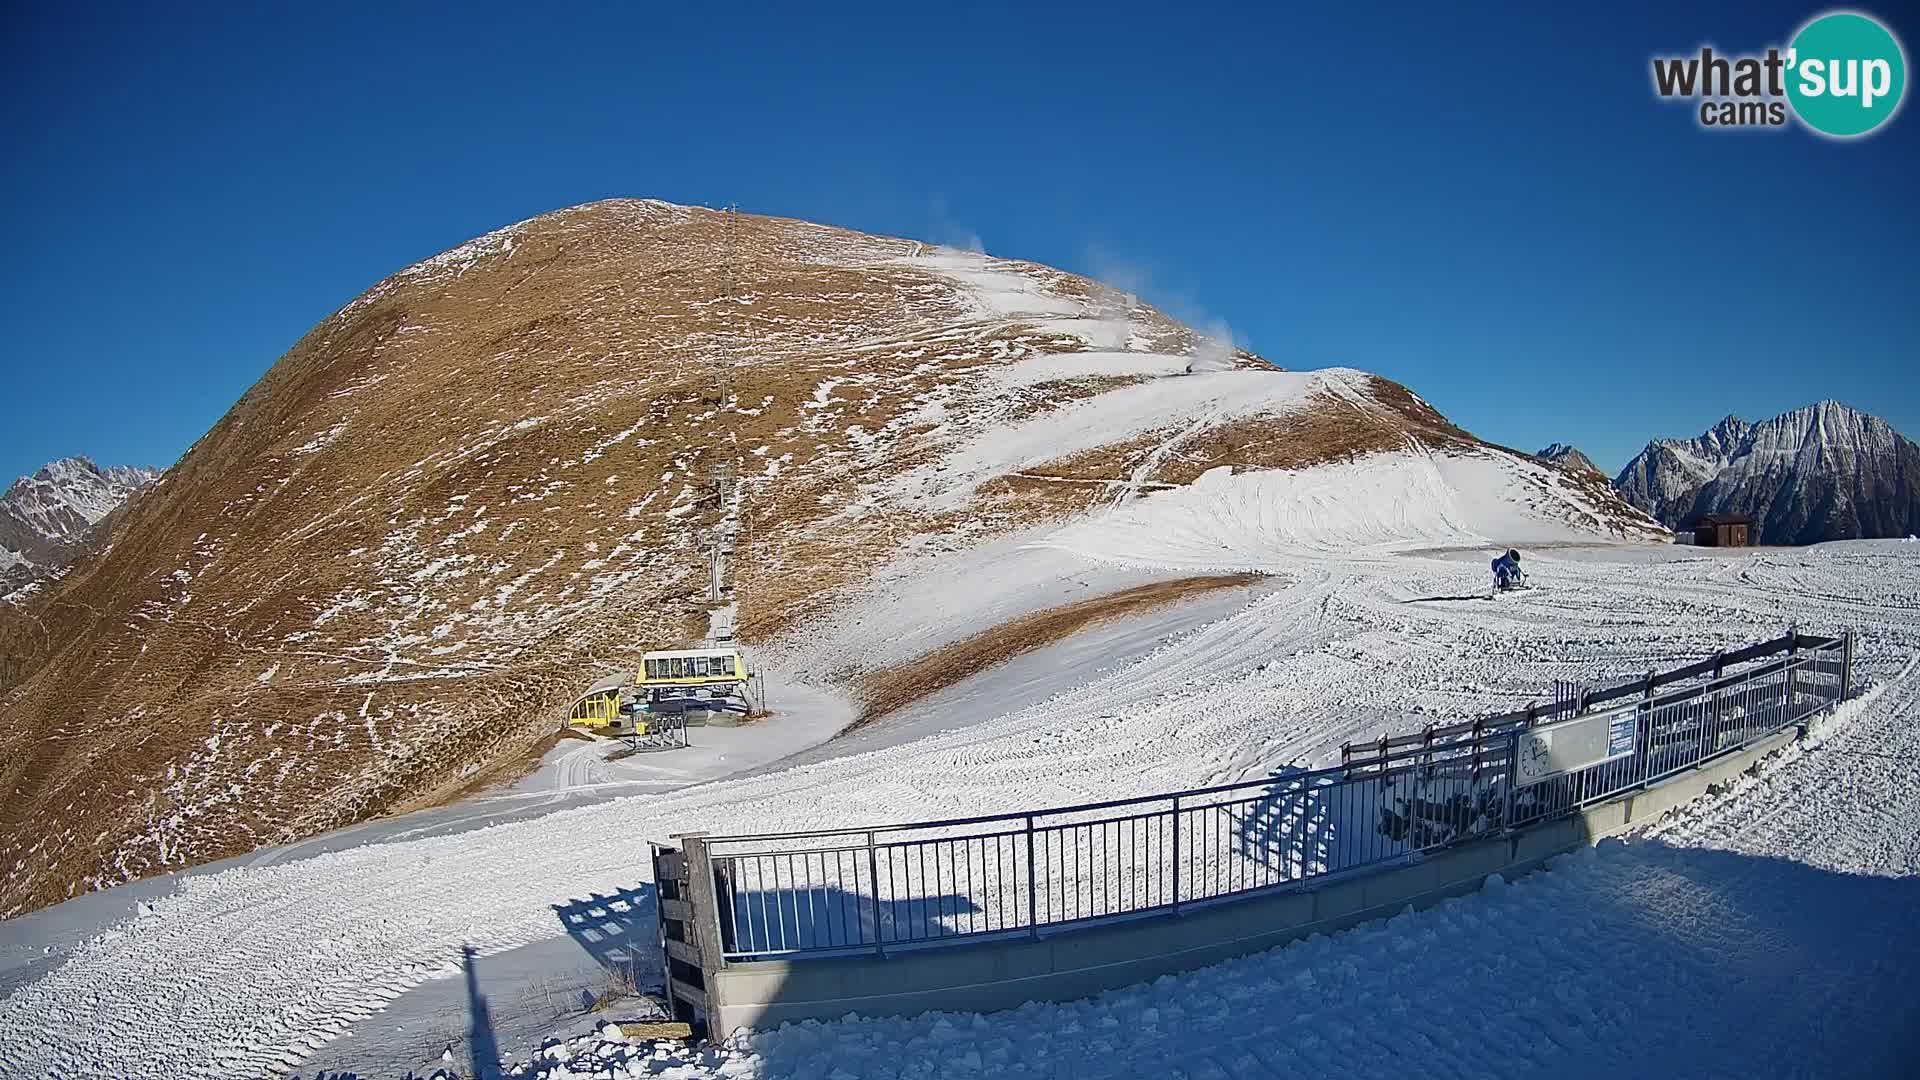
1620 733
1574 745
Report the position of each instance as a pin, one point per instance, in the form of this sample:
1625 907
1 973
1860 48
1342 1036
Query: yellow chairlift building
670 681
715 667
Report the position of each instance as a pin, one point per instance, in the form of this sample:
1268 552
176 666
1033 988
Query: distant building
1723 530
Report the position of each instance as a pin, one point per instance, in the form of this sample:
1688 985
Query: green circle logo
1846 74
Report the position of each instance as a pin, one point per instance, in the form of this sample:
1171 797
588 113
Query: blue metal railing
876 889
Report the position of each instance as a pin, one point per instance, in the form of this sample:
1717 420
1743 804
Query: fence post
1476 808
873 880
1033 873
1176 853
1846 665
1793 677
1513 769
1644 747
704 919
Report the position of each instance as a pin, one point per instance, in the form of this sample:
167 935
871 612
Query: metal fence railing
872 890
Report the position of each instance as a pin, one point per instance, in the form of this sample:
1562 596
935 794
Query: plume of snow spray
1215 350
951 233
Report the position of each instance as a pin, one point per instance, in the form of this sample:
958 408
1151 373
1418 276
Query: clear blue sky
1488 205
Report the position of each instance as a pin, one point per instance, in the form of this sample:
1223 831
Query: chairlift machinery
669 684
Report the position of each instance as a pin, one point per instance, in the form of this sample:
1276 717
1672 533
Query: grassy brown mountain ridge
487 480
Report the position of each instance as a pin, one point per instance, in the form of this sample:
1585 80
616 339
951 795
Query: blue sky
1487 205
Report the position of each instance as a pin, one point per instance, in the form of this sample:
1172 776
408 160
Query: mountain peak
1725 435
45 516
1826 471
1830 412
1567 457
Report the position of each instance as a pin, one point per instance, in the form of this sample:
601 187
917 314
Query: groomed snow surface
1768 932
1769 937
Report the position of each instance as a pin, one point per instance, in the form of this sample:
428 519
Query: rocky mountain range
46 518
1825 472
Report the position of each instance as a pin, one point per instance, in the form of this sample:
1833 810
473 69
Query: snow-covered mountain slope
1264 521
1825 472
45 517
1567 457
489 480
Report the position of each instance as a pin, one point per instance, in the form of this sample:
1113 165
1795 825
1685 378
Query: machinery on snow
670 684
1507 574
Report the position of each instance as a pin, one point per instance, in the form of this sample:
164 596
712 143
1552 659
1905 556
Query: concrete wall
1006 973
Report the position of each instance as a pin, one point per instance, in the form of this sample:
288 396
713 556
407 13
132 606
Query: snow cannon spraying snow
1507 574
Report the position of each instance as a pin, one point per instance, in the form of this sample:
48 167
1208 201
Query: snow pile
1515 500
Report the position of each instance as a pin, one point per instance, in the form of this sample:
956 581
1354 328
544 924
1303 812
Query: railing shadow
1306 826
620 931
768 922
1290 830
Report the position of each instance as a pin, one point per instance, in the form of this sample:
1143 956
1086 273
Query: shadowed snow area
1638 959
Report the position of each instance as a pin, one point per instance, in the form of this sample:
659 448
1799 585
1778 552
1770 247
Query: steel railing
875 889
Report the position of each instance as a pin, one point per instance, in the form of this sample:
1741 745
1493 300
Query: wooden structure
689 927
1723 530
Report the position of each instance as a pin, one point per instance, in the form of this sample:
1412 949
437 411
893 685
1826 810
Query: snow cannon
1507 573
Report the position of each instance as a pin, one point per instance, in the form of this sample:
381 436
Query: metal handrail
1285 831
1452 736
1492 737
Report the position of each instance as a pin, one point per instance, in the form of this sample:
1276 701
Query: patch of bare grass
883 692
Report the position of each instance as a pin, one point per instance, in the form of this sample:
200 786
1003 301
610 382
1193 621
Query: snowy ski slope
251 968
1764 934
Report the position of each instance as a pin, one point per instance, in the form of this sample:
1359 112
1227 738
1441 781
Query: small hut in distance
1723 530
